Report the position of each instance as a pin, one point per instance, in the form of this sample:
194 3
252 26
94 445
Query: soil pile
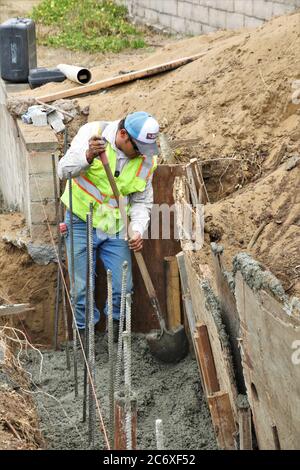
23 281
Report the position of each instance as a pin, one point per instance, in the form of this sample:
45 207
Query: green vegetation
89 25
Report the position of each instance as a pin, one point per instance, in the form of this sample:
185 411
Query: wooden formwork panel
271 370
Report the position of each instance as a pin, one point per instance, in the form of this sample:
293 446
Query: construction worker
130 145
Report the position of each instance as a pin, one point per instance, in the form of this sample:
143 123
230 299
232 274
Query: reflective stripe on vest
145 168
87 186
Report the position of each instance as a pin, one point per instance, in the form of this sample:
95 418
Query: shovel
166 346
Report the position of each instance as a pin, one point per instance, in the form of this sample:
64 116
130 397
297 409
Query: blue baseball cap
144 130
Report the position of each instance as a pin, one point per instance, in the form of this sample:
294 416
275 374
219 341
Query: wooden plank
222 419
230 315
14 309
173 292
120 79
245 429
269 336
206 360
204 311
204 194
192 185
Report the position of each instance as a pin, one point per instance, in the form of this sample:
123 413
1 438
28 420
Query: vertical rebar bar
92 410
121 325
58 285
73 284
65 319
127 368
111 389
128 329
159 432
86 333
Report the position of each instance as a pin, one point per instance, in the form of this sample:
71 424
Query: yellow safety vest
92 186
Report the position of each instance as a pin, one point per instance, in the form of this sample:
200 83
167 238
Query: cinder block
200 13
234 21
217 18
251 22
206 29
169 6
185 10
262 9
193 27
165 20
41 232
41 162
41 139
151 16
178 24
281 9
41 186
244 6
41 212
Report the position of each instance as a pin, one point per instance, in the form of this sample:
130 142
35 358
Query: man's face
127 145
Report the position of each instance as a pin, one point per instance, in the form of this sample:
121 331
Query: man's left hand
136 242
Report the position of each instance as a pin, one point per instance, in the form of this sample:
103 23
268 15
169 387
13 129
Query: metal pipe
127 368
111 390
121 325
65 319
159 432
73 285
128 329
90 293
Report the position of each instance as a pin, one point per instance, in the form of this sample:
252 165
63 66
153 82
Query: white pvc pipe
76 74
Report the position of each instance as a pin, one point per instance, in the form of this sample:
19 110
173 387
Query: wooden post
120 414
206 359
172 291
222 419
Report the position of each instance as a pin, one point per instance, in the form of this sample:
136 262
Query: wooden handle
138 255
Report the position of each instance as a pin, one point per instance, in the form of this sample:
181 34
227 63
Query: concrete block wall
26 175
203 16
40 144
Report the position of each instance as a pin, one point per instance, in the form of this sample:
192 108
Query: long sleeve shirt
75 162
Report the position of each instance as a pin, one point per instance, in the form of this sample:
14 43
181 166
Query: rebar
121 325
127 368
65 319
86 335
73 285
58 285
91 333
111 390
159 432
128 329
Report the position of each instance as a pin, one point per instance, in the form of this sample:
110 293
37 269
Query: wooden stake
245 430
222 419
206 359
173 292
120 414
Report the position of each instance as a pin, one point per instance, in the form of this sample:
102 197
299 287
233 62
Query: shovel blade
170 346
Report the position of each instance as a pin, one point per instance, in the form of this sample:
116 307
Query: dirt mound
23 281
272 205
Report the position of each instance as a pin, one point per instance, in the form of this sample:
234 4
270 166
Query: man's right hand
96 146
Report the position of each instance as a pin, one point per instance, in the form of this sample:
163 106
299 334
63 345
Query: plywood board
271 371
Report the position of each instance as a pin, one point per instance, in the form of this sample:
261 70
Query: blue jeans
113 251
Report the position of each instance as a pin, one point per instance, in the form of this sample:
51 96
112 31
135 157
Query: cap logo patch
152 136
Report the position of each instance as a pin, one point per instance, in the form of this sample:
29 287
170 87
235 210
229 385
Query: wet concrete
170 392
